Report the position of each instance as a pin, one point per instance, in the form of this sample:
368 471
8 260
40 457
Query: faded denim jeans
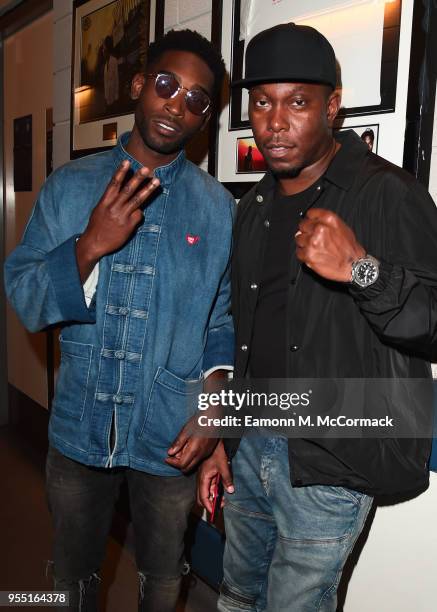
285 546
81 501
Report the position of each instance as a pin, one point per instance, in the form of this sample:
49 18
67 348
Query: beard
286 173
159 145
278 168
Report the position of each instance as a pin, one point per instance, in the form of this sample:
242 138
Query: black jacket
388 330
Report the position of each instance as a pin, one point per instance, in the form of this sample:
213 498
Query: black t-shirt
268 352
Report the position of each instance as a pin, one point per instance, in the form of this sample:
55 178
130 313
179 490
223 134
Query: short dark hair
193 42
370 133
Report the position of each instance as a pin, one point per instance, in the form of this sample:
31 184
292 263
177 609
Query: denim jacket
159 317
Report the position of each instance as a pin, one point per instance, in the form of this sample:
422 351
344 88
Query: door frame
18 16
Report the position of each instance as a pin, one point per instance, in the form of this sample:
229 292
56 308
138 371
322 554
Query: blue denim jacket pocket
172 401
72 379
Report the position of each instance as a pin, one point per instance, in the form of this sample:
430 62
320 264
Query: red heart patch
192 239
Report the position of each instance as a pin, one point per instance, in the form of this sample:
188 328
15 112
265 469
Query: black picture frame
361 130
237 188
421 98
23 153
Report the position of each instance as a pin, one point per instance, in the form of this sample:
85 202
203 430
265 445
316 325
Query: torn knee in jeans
81 590
85 585
186 569
152 581
142 579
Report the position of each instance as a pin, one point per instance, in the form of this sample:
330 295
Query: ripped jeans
81 500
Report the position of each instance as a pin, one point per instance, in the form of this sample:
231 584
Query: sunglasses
167 86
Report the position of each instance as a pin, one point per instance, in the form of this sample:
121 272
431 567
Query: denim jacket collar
166 174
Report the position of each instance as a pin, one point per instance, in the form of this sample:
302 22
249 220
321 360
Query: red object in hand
217 498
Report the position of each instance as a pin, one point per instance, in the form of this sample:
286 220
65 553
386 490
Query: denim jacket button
117 399
120 354
123 311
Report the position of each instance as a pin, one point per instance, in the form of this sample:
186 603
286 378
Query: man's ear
137 85
333 106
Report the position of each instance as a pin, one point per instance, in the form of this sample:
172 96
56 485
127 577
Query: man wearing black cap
333 277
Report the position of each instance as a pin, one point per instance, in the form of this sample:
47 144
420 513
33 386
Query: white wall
192 14
62 32
397 569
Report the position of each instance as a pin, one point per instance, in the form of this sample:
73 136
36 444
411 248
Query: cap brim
257 81
260 80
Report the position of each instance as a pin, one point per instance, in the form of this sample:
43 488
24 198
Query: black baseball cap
289 53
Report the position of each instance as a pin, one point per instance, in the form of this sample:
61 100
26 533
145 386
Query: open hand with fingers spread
327 245
115 217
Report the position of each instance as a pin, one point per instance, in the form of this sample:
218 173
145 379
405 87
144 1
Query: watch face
366 273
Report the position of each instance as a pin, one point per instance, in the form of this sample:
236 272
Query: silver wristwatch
365 271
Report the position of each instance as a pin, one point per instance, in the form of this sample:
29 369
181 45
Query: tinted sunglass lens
166 85
197 101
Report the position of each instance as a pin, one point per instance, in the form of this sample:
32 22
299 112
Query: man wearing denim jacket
128 250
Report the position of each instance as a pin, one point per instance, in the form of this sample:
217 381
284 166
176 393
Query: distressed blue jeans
285 546
81 500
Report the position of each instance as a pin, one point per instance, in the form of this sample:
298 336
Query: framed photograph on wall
110 40
249 158
367 77
376 101
368 134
